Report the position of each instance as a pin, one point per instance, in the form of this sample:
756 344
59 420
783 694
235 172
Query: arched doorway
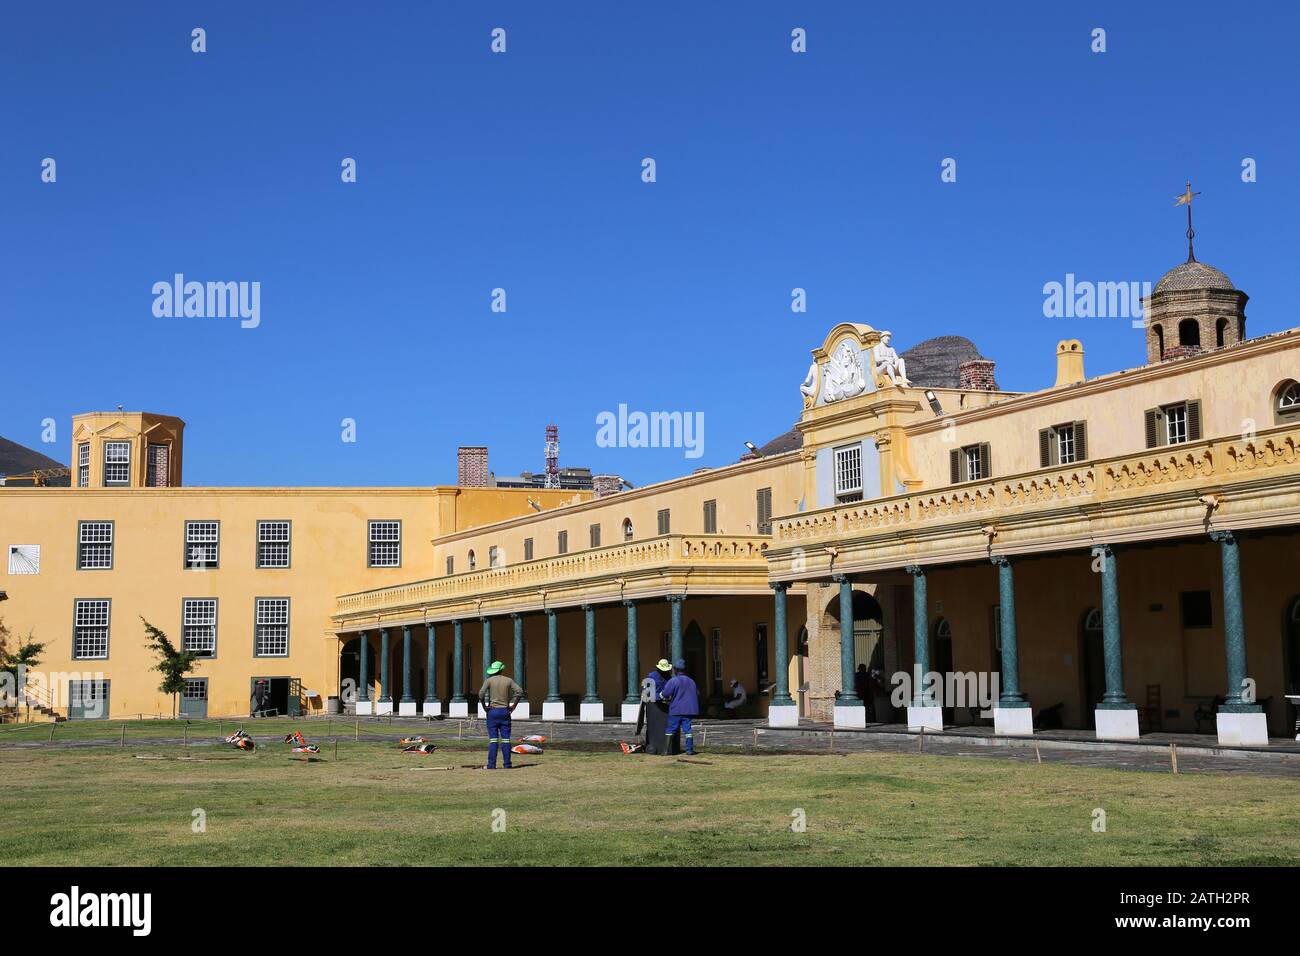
868 646
798 668
1092 657
941 663
1291 662
694 655
349 670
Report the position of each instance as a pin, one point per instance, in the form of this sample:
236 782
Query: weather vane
1186 200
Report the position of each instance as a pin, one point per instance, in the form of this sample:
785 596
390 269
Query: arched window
1189 332
472 562
1092 620
1288 400
1221 333
627 529
1160 340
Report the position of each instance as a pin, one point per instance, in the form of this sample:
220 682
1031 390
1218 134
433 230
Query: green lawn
372 806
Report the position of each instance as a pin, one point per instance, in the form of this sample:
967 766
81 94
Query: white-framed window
83 464
273 544
1175 424
451 565
90 629
117 462
528 549
1065 453
202 544
627 529
593 535
1288 399
562 543
94 545
472 560
199 626
494 556
848 473
974 463
385 544
272 628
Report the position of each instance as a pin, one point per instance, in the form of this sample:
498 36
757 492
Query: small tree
26 657
173 664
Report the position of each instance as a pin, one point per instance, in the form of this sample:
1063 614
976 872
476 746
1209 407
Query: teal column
1114 698
431 670
487 644
847 695
1234 628
675 647
920 636
520 668
457 663
782 696
363 690
633 657
591 697
385 687
1010 696
552 660
407 696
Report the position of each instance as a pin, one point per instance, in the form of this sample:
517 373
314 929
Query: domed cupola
1194 308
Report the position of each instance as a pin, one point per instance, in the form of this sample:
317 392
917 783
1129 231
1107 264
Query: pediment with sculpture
854 360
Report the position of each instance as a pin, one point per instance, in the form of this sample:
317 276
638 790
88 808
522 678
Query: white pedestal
552 710
1243 730
482 714
432 710
929 718
591 713
629 713
851 717
365 708
522 711
783 715
1013 721
383 707
1117 724
408 708
458 708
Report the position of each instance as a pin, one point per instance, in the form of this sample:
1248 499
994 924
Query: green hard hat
496 667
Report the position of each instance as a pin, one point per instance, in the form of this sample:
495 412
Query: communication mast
552 478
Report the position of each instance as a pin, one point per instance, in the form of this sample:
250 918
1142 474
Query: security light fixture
753 450
934 402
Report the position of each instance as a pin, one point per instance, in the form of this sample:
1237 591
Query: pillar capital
549 612
1000 560
915 570
840 578
1102 551
1223 537
587 607
675 598
778 585
516 615
627 602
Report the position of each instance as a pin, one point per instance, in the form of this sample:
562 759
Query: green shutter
1193 421
986 463
1155 436
954 463
1080 441
764 510
1045 448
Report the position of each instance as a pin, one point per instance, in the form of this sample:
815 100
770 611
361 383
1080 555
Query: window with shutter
1175 424
562 542
1155 427
711 517
664 523
1045 448
528 549
764 510
595 536
986 461
1080 441
1193 421
954 465
1064 450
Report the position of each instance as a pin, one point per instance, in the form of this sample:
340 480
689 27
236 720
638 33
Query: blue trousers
498 727
674 722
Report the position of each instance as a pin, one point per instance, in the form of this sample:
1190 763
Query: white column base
629 713
383 707
783 715
408 708
1242 730
458 708
482 714
365 708
1117 724
851 717
1013 721
591 713
929 718
431 710
522 711
552 710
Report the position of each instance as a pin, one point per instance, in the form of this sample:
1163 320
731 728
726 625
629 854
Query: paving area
1195 753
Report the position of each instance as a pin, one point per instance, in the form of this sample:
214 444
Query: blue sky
522 171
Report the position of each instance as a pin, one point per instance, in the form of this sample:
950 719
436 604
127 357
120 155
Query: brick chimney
976 376
605 485
472 466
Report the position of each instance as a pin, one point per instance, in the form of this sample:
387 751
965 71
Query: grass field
371 805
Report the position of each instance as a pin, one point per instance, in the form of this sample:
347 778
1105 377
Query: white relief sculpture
888 362
809 386
844 377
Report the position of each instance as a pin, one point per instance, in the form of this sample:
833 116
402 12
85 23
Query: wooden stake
830 748
356 735
54 726
1173 756
336 748
1037 754
123 743
920 741
755 736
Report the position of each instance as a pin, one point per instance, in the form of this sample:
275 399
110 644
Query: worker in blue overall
499 696
683 703
654 712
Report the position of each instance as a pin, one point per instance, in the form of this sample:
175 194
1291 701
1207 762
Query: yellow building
1110 552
